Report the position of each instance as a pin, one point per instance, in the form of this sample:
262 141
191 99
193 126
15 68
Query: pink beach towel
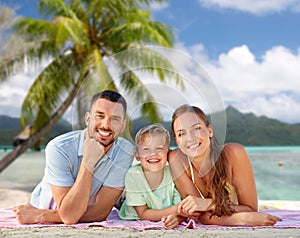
291 219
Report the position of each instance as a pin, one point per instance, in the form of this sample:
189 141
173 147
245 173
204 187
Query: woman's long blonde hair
218 176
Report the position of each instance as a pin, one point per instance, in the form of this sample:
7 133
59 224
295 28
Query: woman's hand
192 204
240 219
258 219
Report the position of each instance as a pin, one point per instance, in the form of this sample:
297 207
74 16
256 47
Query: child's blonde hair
152 130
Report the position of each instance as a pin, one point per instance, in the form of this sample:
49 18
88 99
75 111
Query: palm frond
95 78
65 29
149 60
51 8
140 94
47 91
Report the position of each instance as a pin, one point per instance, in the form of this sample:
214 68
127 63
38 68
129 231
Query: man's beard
107 143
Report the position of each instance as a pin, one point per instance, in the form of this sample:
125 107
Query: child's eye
159 148
145 149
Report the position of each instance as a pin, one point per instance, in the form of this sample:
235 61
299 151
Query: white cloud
154 6
257 7
269 87
14 90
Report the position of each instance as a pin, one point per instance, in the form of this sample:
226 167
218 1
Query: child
150 191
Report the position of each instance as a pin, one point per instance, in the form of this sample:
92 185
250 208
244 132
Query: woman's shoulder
175 154
235 152
233 147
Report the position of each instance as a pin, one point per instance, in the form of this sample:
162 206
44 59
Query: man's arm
106 199
72 202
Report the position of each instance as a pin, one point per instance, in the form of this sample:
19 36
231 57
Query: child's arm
154 214
168 215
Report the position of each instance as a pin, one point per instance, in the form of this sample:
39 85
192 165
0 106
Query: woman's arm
242 177
240 219
178 166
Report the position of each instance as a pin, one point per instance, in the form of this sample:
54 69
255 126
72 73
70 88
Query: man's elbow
69 218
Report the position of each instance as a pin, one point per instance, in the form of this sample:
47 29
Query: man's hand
92 151
28 214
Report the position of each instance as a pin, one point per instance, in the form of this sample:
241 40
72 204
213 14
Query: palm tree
79 37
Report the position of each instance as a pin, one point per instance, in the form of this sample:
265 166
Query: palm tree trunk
20 149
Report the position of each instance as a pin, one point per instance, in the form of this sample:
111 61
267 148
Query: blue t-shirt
63 159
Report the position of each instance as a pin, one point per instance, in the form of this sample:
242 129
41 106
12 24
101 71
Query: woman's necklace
193 178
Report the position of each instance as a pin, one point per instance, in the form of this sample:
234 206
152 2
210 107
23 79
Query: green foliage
248 129
10 127
78 35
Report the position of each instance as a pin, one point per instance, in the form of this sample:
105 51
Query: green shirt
139 193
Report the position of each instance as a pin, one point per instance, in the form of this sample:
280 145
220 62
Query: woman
216 183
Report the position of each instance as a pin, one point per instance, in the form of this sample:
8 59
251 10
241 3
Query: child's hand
170 221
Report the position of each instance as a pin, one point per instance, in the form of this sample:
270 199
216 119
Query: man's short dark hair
110 96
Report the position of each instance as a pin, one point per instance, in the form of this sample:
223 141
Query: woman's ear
210 131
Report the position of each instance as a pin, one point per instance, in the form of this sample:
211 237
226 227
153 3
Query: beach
18 180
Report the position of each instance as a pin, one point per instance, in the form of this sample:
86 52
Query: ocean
276 170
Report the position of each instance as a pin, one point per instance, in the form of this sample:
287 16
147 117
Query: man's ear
87 118
123 125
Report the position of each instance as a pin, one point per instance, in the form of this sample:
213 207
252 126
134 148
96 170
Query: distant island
245 128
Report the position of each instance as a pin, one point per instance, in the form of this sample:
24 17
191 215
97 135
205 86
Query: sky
249 48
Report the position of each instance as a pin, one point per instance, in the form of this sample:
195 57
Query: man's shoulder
66 138
122 140
124 145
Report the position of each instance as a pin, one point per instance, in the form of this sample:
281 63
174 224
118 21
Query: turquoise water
277 172
273 182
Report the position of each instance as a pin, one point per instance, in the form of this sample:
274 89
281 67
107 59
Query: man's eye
116 119
99 116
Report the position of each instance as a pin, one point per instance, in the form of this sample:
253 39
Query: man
85 169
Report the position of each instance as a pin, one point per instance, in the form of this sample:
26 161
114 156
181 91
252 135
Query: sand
18 180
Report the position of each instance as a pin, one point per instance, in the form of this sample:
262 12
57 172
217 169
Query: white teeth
153 160
193 146
103 133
